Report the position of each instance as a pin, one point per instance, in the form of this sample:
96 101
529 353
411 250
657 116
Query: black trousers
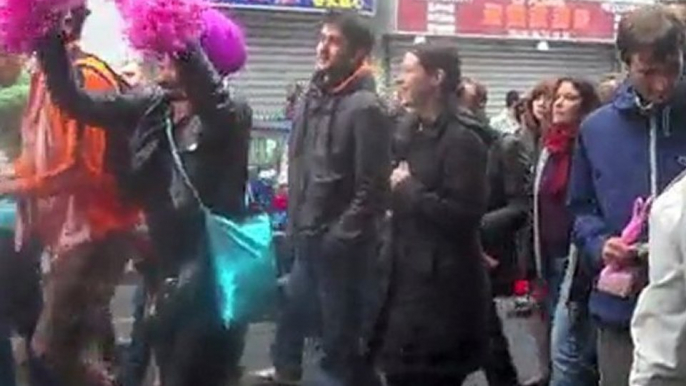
190 343
499 369
425 379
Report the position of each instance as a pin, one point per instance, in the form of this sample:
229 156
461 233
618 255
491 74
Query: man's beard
333 75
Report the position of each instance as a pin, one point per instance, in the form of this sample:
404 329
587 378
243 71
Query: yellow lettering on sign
319 3
516 16
562 18
347 4
493 15
538 17
332 4
582 19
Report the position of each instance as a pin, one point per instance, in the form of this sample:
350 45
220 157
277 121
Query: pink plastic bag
624 281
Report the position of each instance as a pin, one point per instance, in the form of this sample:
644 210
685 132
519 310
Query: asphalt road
519 331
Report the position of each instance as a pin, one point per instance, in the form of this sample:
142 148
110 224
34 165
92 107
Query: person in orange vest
70 200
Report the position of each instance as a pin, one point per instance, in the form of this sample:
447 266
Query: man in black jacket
338 180
508 208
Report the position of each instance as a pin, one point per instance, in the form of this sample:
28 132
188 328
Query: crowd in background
405 220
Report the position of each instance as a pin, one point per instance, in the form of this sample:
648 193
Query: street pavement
256 356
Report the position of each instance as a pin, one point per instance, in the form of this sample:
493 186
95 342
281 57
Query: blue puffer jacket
624 151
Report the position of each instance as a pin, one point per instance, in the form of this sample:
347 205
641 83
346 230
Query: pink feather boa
162 27
23 22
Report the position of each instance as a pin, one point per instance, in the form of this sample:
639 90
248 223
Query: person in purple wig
212 131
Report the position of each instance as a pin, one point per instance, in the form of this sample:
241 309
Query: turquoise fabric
8 214
241 253
243 262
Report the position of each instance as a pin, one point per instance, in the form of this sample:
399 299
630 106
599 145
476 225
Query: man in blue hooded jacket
631 148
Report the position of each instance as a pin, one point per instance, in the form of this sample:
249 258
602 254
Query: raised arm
108 110
206 93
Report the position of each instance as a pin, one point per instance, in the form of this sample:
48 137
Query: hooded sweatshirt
624 151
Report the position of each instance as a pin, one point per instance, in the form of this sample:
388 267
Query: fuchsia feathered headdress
23 22
158 27
166 26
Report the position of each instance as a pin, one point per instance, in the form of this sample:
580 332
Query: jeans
299 318
573 342
555 274
340 283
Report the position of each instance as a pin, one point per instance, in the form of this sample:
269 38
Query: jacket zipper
653 156
542 160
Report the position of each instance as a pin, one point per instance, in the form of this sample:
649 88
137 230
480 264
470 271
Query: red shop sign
527 19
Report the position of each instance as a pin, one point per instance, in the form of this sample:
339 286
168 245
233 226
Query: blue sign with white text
365 6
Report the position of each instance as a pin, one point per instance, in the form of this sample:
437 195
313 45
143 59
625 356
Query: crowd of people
405 219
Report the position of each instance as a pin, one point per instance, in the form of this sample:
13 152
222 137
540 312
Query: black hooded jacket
340 162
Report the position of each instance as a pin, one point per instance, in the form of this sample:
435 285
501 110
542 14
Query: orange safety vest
68 196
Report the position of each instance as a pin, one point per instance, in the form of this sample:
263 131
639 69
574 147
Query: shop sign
580 20
365 6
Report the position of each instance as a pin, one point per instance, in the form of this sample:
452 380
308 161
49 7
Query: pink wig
162 27
23 22
223 42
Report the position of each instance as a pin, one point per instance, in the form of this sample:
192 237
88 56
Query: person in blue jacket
631 148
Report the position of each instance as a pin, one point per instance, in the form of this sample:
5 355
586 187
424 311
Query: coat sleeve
372 144
460 203
516 171
589 230
107 109
225 123
659 323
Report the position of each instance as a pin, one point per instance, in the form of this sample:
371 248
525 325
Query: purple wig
223 42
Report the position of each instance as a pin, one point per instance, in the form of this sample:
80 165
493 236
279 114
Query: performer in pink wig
199 46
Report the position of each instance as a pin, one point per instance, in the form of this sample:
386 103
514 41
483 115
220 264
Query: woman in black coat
436 312
192 345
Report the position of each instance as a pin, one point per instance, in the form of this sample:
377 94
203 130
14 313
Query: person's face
10 69
167 75
654 80
471 99
333 49
132 73
416 85
541 107
607 90
567 104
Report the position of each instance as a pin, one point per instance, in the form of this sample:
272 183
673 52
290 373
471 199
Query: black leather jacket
213 143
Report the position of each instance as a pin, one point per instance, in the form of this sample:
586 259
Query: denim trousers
573 340
334 290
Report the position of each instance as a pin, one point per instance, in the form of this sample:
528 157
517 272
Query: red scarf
558 140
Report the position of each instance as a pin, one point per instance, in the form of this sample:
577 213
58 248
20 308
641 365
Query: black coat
339 163
436 312
213 143
509 206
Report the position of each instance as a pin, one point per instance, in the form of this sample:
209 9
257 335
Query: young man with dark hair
506 121
629 149
339 163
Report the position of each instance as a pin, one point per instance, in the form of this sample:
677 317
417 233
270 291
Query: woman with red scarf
573 100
